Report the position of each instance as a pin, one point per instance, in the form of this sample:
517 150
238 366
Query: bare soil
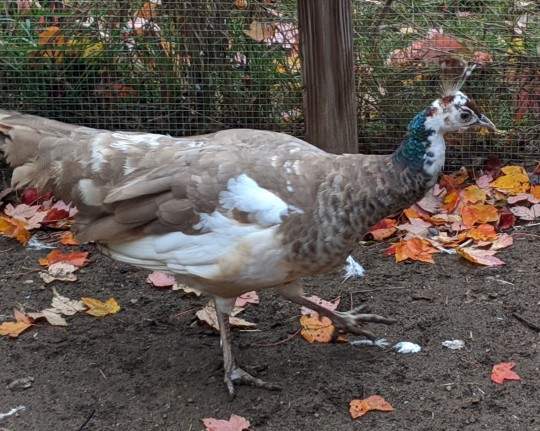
153 366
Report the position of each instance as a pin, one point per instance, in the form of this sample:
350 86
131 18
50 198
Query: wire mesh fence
190 67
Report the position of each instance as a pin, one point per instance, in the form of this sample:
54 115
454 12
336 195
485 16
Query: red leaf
503 371
54 215
507 220
384 229
75 258
31 196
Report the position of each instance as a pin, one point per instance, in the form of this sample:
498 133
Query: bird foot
353 321
238 376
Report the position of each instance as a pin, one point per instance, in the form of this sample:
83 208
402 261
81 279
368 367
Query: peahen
232 211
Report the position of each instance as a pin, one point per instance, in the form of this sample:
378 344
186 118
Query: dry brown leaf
317 328
260 31
208 314
98 308
51 316
59 271
359 408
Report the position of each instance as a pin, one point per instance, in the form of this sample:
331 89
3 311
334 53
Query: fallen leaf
32 216
429 203
98 308
317 328
503 241
13 228
503 371
450 201
67 238
186 289
374 402
506 221
484 181
235 423
247 298
480 256
51 316
416 227
329 305
483 232
514 181
415 249
208 314
31 196
60 271
535 191
478 213
474 194
383 229
76 258
14 329
525 213
161 279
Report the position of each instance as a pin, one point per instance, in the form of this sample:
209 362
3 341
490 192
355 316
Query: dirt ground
152 366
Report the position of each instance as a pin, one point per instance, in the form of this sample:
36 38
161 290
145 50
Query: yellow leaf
317 329
359 408
99 309
474 194
514 181
14 329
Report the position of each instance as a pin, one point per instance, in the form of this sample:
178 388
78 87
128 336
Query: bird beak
484 121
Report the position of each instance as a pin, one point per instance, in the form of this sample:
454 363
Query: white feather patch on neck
435 151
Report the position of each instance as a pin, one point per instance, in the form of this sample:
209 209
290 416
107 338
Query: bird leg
351 321
233 373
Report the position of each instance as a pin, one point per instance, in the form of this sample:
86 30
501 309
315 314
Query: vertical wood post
326 39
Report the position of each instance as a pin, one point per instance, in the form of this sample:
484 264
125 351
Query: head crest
454 76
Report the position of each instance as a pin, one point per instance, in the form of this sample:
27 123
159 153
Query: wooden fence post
326 39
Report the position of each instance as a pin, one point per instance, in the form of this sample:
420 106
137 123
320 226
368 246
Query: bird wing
206 206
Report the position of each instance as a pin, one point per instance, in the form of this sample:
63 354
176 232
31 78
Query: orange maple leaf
75 258
359 408
14 329
478 213
483 232
535 191
14 228
317 328
414 249
450 201
503 371
384 229
67 238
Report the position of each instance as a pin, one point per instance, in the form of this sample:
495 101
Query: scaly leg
351 321
233 373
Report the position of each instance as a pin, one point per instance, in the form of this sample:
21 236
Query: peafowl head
455 112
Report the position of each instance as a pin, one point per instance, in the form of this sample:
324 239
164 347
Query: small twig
102 373
290 337
527 323
87 420
379 290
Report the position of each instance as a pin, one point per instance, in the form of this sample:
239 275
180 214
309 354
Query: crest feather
454 74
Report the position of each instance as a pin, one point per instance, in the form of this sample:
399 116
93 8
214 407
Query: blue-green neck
412 150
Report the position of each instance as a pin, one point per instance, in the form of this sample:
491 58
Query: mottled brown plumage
231 211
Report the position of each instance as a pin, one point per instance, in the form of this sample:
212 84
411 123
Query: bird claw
353 321
241 377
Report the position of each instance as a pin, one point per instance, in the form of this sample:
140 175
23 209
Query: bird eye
465 115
